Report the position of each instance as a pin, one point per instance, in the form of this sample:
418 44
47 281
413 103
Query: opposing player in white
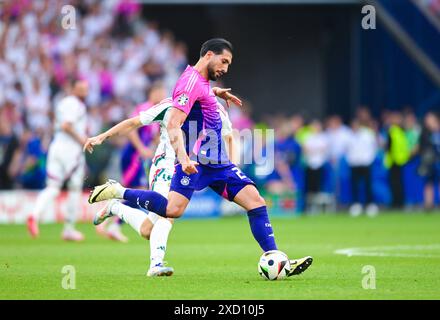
148 224
65 161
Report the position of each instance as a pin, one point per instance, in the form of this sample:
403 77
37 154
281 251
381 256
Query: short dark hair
216 45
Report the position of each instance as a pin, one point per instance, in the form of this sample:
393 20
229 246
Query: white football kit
65 159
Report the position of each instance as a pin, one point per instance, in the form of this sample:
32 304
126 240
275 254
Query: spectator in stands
119 54
316 152
411 182
429 167
360 154
412 132
363 115
33 160
287 153
9 152
339 136
396 156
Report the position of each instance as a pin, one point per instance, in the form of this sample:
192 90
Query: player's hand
189 167
93 141
228 97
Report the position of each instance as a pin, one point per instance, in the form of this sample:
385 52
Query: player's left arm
121 128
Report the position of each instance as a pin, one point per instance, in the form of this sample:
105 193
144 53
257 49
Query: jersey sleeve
226 123
154 114
187 91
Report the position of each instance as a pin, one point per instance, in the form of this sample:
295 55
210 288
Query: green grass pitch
217 259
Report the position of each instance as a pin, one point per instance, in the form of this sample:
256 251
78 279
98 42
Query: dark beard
211 75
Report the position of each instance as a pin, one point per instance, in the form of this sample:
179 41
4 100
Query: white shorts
161 173
63 164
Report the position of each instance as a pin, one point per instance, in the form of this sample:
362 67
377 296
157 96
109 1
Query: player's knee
259 201
256 199
175 211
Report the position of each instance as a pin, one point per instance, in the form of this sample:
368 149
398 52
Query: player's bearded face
213 73
219 64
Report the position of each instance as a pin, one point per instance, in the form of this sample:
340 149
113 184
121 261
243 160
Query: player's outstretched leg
250 199
147 225
149 200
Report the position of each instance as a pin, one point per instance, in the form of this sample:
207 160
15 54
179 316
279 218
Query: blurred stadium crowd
117 52
393 161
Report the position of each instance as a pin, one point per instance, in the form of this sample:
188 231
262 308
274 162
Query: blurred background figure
397 155
429 167
412 131
9 152
360 153
66 161
316 153
287 153
339 137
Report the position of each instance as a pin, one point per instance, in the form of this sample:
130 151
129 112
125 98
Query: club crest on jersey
182 99
185 181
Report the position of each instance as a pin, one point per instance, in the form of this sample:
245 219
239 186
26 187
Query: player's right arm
176 119
185 94
121 128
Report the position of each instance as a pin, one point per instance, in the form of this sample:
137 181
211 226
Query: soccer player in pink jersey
202 161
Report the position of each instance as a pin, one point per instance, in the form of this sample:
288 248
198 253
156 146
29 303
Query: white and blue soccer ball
274 265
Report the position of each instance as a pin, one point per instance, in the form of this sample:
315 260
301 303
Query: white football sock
120 190
46 197
153 217
158 240
134 217
73 208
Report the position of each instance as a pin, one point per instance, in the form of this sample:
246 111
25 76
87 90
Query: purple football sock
261 228
150 200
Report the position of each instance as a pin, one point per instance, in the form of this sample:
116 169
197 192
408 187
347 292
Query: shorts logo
185 181
183 99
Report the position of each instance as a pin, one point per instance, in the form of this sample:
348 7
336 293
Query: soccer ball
274 265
